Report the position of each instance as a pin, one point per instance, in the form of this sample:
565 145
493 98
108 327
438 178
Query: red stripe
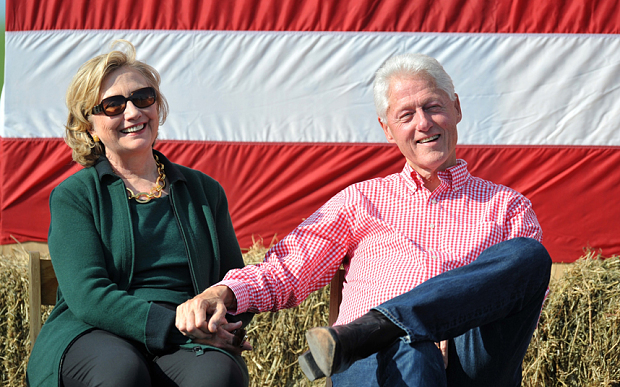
477 16
272 187
30 169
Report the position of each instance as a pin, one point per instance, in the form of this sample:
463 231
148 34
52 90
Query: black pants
100 358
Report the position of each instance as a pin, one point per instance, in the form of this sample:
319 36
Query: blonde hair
83 94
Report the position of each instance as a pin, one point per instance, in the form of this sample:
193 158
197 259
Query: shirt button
434 201
434 257
431 226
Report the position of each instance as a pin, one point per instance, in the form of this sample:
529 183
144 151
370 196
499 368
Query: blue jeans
488 311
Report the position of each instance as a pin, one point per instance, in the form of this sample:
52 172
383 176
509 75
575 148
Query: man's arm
521 221
304 261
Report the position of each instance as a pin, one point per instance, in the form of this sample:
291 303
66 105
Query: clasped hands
203 320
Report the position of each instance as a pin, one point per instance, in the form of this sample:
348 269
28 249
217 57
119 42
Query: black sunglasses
115 105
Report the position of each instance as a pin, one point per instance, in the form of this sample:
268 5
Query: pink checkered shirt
391 234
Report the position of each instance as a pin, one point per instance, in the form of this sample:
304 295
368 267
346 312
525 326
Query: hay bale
14 319
278 338
577 342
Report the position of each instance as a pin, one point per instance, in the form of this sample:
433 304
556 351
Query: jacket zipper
189 261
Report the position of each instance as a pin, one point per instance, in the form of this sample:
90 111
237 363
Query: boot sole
323 348
309 367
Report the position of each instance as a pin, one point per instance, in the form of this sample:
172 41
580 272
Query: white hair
408 65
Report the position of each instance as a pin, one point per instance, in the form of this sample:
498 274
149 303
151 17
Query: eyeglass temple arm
97 109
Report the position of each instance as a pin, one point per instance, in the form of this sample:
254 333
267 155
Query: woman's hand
229 337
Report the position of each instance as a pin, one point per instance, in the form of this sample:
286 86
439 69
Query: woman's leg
187 368
100 358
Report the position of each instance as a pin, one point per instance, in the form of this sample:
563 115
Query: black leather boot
334 349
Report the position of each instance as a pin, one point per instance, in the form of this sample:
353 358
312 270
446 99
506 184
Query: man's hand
200 317
203 320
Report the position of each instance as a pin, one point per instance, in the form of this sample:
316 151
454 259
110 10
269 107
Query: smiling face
132 132
421 120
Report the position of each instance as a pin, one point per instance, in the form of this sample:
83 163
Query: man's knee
527 253
534 254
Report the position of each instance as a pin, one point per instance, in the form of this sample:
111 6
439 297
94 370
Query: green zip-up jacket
91 244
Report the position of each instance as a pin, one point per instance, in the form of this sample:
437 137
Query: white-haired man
432 254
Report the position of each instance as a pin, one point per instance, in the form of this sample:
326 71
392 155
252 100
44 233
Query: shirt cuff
242 293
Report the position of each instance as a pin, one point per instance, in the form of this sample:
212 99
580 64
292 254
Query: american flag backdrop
273 98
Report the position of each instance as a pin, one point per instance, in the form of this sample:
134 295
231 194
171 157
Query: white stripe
316 87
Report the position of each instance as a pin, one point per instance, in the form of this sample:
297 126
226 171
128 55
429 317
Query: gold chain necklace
143 197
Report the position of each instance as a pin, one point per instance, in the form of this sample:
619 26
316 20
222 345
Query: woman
132 236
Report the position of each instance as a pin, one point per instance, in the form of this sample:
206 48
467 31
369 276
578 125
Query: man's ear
386 130
457 105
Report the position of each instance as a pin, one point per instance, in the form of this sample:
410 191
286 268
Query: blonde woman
132 236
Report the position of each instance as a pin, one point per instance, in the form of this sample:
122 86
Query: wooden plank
49 283
34 290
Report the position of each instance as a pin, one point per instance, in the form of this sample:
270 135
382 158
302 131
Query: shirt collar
455 177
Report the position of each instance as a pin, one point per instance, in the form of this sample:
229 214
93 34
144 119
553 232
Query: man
431 254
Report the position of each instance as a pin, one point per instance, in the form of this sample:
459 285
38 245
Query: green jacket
91 244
